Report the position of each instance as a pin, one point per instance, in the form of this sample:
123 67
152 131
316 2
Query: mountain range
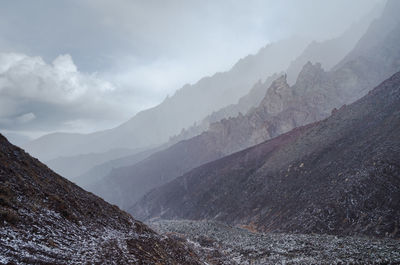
189 104
327 52
292 156
314 95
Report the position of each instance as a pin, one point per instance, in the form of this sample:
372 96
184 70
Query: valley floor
217 243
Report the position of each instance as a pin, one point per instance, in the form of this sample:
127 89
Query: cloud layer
42 96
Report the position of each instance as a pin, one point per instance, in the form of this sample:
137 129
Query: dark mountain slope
124 188
338 176
45 219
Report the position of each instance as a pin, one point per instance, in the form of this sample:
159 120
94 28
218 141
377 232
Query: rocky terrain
314 95
45 219
338 176
216 243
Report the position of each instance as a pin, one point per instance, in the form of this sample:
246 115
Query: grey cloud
36 95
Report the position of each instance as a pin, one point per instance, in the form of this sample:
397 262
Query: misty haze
200 132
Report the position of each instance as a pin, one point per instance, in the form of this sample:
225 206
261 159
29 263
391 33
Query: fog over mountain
231 132
143 57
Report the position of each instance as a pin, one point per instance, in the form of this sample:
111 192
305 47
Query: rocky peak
309 75
277 95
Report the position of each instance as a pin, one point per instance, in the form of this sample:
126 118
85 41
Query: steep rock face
45 219
337 176
245 103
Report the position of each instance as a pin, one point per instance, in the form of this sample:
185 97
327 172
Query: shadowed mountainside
45 219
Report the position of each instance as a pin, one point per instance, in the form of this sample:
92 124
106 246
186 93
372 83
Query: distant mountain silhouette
189 104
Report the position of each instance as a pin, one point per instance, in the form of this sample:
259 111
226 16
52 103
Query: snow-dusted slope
45 219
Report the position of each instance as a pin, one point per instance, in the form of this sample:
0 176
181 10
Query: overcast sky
85 65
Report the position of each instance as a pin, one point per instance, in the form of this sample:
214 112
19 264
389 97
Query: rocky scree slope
216 243
45 219
338 176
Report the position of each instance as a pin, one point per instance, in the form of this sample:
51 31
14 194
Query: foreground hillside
338 176
45 219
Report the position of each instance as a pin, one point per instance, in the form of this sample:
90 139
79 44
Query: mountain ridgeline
339 176
328 53
189 104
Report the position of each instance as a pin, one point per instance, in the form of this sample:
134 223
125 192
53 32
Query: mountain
284 107
386 25
17 139
98 172
45 219
336 176
85 162
125 185
245 103
189 104
330 52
